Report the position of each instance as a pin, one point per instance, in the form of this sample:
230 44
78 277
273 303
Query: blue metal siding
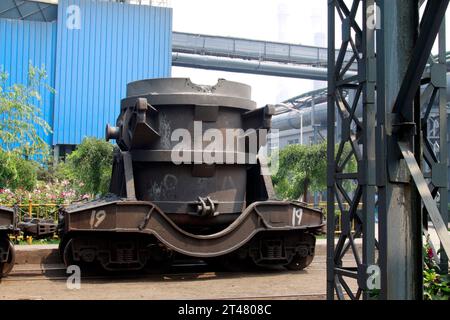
25 42
116 44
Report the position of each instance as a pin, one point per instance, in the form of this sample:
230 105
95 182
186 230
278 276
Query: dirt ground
39 274
307 284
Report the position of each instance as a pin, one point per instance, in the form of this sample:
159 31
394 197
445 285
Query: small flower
430 253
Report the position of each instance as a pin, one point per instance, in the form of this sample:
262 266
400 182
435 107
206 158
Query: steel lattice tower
399 173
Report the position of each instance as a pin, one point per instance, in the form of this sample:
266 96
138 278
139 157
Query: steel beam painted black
429 27
331 165
356 204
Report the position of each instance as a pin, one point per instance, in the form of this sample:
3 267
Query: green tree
17 172
21 119
89 166
21 115
303 169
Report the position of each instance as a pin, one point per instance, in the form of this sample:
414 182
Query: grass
39 242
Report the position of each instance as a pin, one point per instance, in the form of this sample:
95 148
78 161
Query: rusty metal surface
182 91
166 186
223 208
7 255
145 217
156 108
7 220
37 228
7 252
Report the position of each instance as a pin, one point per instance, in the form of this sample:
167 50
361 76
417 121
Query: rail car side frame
125 216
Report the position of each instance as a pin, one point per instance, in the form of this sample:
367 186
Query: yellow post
29 240
30 208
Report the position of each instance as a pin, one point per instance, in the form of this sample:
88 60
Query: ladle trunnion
189 179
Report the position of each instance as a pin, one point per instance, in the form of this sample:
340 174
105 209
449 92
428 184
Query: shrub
435 286
303 168
17 172
56 192
89 166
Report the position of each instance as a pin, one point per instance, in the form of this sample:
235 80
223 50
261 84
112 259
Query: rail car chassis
131 234
161 208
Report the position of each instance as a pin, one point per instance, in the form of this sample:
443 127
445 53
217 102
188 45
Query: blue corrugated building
25 42
90 50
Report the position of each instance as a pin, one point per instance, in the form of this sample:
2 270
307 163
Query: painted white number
297 214
97 218
73 17
74 280
373 281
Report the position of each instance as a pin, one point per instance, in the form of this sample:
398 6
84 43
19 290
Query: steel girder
433 110
399 204
388 143
353 190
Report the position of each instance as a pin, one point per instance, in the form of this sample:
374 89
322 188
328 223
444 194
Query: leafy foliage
21 115
45 192
301 168
89 166
86 171
304 168
17 172
436 286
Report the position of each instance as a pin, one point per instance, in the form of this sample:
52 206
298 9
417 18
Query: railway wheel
299 263
67 253
62 247
6 267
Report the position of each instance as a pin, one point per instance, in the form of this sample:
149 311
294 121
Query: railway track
306 296
59 274
181 281
181 271
53 271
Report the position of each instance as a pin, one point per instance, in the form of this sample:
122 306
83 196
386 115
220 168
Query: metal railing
38 210
27 210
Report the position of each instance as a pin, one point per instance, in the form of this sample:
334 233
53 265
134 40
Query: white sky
282 20
295 21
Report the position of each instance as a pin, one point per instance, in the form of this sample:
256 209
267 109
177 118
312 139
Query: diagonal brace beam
428 201
429 28
129 176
